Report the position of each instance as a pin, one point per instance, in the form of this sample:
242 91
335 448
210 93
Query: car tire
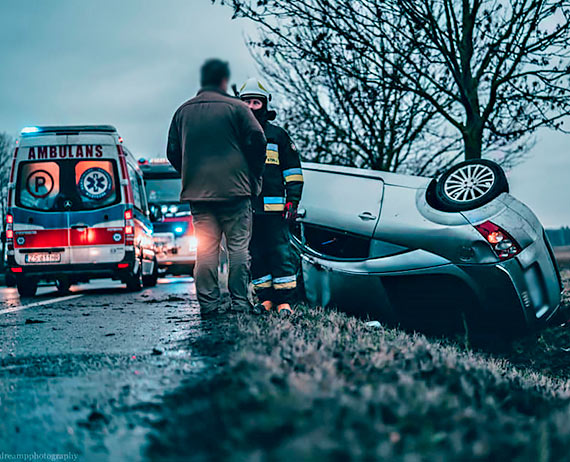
469 185
10 280
134 280
27 287
152 278
63 285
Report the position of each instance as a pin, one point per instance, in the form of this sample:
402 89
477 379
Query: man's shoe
264 307
284 309
210 311
241 308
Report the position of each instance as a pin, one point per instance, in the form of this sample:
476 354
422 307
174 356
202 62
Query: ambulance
77 210
174 239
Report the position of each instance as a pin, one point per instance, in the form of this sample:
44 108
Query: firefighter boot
263 307
284 309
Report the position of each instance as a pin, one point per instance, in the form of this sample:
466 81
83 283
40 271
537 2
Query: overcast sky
131 63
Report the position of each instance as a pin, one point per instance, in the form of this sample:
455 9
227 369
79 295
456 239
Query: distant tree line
559 237
412 85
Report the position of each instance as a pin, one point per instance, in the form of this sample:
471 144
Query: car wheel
134 280
63 285
469 185
27 287
152 278
10 280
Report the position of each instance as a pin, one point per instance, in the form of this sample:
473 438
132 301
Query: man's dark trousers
212 219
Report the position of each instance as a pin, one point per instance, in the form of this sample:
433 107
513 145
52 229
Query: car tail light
502 243
129 227
9 231
16 270
122 265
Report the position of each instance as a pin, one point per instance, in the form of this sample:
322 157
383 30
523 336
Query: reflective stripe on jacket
283 176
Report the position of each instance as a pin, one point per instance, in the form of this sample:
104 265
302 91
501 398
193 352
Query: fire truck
174 239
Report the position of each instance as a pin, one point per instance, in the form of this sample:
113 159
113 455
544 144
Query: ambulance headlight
164 209
173 209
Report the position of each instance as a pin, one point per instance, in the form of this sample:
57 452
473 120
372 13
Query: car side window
333 243
142 190
136 188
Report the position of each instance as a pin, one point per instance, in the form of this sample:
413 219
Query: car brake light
9 234
9 219
16 270
122 265
501 242
129 227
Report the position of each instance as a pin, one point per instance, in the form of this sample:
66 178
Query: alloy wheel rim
469 183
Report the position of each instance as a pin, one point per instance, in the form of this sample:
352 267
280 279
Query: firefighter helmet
254 88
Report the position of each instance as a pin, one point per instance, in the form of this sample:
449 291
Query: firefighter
273 263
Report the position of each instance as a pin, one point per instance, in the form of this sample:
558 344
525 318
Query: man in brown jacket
218 147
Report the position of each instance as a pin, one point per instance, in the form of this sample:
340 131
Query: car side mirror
156 214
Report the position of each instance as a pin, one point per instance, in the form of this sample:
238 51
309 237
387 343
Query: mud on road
85 375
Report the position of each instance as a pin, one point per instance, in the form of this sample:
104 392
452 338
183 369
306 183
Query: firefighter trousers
273 262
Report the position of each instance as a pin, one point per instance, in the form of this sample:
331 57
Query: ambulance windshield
67 185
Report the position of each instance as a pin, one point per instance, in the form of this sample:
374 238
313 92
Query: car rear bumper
519 294
177 264
77 272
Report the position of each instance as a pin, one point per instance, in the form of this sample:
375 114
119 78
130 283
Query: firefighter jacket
283 177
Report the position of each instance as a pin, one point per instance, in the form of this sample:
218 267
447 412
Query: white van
77 210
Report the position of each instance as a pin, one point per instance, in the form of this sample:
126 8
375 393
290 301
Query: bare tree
340 111
6 150
494 70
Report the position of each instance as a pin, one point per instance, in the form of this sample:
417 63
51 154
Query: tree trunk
473 141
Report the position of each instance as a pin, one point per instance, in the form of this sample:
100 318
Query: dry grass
324 385
563 256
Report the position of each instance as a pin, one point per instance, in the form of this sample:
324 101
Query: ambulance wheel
134 280
152 278
63 285
10 280
27 287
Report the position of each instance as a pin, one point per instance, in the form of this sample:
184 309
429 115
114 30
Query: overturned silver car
429 254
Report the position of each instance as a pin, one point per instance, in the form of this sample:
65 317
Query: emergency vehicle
174 239
77 210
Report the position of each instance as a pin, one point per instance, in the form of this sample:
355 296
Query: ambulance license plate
43 257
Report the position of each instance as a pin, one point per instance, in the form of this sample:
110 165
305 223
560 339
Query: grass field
325 385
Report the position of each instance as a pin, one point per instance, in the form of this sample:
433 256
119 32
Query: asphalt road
83 374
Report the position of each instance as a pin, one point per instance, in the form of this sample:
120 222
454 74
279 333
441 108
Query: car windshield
45 186
164 190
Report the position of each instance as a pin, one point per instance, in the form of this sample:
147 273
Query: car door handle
301 213
79 226
366 216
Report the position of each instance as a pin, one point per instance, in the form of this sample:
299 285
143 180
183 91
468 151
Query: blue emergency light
28 130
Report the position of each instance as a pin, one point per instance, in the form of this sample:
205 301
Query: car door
96 214
40 225
339 212
340 200
144 244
